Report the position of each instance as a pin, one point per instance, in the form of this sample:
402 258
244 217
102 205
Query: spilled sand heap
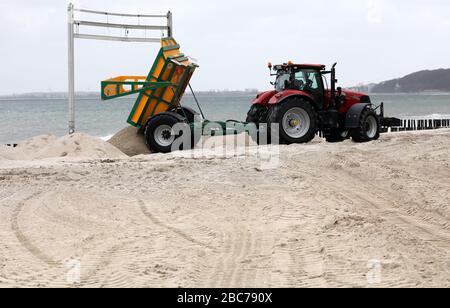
130 141
5 152
73 146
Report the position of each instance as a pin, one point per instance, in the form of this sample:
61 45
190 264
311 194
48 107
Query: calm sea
22 119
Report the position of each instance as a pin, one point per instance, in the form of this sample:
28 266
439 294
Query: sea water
24 118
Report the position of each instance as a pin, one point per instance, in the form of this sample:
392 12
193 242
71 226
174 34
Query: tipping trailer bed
161 90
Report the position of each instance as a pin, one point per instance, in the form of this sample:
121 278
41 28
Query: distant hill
423 81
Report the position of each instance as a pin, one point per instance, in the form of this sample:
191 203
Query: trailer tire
159 136
369 127
297 121
187 112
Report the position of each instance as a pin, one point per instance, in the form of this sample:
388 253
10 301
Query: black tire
186 112
277 113
335 136
366 130
169 120
257 114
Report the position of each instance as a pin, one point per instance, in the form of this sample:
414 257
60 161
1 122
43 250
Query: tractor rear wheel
297 121
257 114
160 136
369 127
336 136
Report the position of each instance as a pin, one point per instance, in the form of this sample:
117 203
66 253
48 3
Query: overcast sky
373 40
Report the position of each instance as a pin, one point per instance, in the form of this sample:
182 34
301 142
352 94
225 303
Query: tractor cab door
312 84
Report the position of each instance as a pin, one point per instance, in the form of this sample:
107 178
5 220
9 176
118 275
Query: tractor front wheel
369 127
297 121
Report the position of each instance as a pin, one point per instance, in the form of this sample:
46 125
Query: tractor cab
301 77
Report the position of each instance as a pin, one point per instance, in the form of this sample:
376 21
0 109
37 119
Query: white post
72 36
71 62
169 24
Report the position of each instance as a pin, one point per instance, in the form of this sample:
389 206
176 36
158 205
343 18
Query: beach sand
319 215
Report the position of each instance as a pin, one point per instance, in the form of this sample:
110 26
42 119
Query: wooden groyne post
414 124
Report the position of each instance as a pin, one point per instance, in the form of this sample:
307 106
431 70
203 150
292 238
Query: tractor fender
281 97
354 114
264 98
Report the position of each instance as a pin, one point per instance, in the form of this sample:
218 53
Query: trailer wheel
369 127
190 113
297 121
160 137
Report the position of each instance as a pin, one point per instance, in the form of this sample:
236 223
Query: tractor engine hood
274 97
356 96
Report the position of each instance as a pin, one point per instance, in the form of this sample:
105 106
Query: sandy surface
329 215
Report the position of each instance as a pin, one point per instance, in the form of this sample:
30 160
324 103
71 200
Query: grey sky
373 40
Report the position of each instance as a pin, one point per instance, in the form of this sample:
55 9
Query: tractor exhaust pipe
333 86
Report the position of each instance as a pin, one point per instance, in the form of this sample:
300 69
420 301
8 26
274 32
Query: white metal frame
72 35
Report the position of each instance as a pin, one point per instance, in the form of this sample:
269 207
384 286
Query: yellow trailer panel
161 90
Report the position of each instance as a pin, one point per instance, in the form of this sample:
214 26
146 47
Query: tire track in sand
103 261
174 230
414 225
24 241
380 206
424 230
231 268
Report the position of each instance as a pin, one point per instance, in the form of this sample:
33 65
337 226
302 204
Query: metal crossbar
117 38
74 24
118 26
118 14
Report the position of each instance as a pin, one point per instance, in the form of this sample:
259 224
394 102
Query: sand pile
73 146
130 142
5 152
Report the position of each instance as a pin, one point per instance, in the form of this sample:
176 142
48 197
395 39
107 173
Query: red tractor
302 105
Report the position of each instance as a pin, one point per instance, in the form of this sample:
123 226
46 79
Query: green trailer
158 113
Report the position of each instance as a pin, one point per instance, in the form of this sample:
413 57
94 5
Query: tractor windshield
282 81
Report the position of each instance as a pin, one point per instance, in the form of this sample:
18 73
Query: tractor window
280 83
300 81
312 76
309 80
